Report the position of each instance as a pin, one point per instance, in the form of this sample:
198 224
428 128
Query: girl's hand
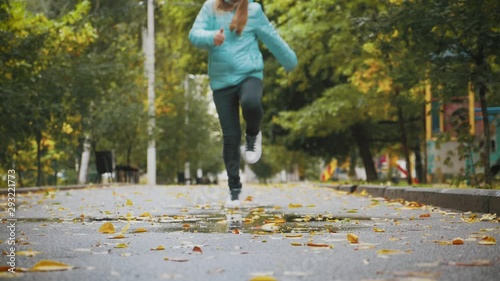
219 37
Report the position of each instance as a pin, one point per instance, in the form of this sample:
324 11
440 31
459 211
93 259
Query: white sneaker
253 148
232 204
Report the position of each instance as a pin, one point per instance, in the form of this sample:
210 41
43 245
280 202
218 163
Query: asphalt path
282 232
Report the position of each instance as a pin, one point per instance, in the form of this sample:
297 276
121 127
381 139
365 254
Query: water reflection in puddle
258 221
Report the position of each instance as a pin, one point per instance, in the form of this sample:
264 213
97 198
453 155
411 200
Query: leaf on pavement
488 240
263 278
414 204
293 235
365 247
176 259
311 244
159 248
296 244
140 230
121 246
270 227
129 203
488 217
50 265
292 206
376 229
197 249
107 228
29 253
352 238
472 263
425 215
457 241
125 228
388 252
442 242
248 199
146 214
419 275
119 236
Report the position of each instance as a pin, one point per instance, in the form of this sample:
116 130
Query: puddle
257 221
260 220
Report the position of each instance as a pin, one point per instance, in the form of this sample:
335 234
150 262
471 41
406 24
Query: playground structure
453 159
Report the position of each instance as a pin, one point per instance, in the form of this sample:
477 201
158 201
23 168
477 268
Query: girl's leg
227 105
250 94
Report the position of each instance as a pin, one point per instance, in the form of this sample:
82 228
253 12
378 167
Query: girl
229 30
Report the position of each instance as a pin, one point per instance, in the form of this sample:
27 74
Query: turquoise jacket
239 56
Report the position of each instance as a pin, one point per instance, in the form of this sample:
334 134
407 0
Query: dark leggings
248 94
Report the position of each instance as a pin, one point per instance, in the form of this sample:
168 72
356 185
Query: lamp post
149 50
197 79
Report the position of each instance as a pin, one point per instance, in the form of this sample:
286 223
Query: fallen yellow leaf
263 278
376 229
107 228
488 240
50 265
29 253
352 238
159 248
472 263
140 230
296 244
442 242
297 235
388 252
119 236
365 247
146 214
121 245
310 244
125 228
129 202
291 205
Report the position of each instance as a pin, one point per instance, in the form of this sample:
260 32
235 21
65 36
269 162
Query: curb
466 200
5 191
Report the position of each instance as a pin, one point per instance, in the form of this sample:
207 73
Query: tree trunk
363 143
419 167
404 142
482 89
487 135
39 158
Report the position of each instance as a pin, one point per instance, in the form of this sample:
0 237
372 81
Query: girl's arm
201 35
278 47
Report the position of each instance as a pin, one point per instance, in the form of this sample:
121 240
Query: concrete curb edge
473 200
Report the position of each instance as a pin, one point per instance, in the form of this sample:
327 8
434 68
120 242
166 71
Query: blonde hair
240 16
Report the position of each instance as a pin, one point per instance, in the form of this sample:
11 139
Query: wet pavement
285 232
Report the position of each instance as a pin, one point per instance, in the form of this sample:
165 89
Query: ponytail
240 16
